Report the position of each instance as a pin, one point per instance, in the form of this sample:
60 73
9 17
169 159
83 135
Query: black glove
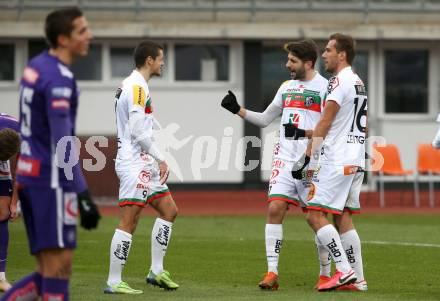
230 103
88 211
291 131
300 167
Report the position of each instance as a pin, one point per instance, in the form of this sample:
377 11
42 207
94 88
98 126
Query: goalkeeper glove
230 103
88 211
291 131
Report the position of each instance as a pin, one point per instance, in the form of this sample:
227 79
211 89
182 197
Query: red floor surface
253 202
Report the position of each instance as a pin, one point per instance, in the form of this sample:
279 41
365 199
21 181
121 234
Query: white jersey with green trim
133 96
301 102
345 142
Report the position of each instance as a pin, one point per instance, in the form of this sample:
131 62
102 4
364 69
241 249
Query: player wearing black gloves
298 101
88 211
230 103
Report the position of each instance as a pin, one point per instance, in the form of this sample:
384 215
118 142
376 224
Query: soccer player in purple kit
9 146
49 195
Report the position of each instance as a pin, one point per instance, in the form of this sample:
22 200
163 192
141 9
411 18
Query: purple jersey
8 122
48 106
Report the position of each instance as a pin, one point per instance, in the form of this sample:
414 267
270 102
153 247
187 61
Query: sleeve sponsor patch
30 75
139 96
61 92
360 90
60 104
332 84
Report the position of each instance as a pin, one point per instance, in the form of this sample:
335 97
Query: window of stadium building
89 67
202 62
35 47
122 63
7 62
406 81
273 71
360 66
86 68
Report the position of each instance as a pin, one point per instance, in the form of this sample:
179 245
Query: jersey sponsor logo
350 169
139 96
332 84
61 92
70 208
360 89
28 167
145 176
30 75
275 173
141 186
294 119
287 100
60 104
278 164
298 89
309 101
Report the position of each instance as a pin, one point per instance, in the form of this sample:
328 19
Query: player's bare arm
323 126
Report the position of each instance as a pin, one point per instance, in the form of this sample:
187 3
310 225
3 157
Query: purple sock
27 289
55 289
4 241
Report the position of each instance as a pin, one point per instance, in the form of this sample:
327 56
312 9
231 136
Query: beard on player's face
300 73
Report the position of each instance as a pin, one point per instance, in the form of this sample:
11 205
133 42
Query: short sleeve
335 90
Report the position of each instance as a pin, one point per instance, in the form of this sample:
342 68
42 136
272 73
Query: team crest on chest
308 101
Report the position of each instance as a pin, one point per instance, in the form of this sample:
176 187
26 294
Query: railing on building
216 6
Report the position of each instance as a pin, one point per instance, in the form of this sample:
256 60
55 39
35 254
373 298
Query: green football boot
121 288
162 280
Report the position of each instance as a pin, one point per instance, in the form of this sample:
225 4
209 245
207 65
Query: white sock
329 237
119 250
2 276
325 260
160 239
274 241
352 246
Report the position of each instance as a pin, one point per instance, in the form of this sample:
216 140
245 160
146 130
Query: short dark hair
144 50
9 143
344 43
60 22
305 50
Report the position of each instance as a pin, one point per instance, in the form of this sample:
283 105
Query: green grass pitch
223 258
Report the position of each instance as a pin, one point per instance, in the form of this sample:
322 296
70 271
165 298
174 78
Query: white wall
191 111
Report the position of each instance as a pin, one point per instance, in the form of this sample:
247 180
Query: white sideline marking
411 244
